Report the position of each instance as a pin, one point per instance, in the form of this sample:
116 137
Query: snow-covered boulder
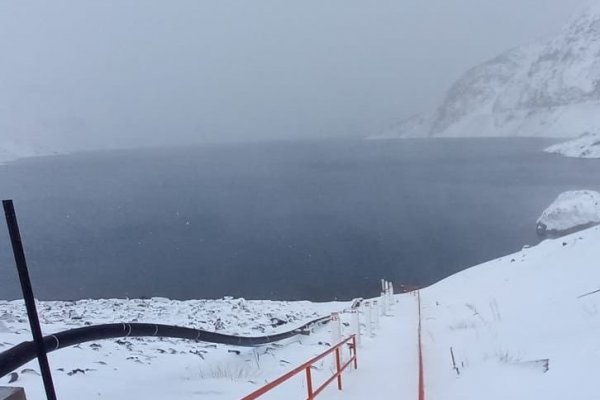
570 211
585 146
550 88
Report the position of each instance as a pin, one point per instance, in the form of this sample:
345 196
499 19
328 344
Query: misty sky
117 73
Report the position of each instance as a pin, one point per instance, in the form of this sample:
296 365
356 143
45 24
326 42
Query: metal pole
336 331
338 365
355 348
336 328
369 319
356 323
376 313
36 330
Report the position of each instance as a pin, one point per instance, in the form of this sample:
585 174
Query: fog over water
291 220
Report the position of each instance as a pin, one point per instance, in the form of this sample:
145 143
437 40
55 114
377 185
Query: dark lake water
290 220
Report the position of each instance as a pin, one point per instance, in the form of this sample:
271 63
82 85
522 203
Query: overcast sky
174 71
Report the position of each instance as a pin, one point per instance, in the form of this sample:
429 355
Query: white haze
85 73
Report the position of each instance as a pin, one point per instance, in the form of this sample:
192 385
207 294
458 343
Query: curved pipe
22 353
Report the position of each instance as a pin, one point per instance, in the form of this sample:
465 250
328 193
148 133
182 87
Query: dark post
36 330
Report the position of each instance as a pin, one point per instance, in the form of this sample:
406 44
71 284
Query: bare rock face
550 89
571 211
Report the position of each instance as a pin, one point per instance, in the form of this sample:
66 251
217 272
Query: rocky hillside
550 88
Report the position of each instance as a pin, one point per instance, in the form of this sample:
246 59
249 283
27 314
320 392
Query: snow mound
545 89
586 146
570 211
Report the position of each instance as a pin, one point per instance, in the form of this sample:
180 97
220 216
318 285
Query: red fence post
338 364
354 348
309 387
420 350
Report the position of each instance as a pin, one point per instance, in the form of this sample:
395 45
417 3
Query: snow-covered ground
510 319
585 146
157 368
570 211
524 326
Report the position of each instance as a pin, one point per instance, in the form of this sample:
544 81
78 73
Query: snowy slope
585 146
550 89
571 210
153 368
524 326
507 319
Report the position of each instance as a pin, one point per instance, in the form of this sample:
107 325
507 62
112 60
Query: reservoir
317 220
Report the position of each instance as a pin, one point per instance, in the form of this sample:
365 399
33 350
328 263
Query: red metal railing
420 349
307 368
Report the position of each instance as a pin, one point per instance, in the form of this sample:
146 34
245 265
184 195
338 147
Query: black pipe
22 353
38 346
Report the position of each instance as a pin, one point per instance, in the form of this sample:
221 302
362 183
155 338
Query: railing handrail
306 367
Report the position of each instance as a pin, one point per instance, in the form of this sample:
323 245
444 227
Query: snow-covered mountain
546 89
